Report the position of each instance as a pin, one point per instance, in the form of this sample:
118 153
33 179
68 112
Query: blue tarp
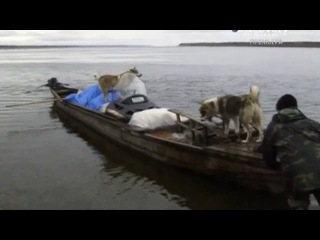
91 97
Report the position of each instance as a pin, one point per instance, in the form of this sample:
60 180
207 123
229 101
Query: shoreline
271 43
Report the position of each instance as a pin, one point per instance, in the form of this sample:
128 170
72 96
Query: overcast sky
146 37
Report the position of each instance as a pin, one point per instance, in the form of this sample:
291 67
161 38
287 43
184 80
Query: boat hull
237 166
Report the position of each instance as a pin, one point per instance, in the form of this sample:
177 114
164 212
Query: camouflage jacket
294 140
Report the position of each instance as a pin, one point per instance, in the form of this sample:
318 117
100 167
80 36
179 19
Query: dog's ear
96 76
135 69
199 102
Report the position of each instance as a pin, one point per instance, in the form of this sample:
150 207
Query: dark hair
286 101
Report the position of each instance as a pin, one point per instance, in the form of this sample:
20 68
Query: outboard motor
131 105
56 85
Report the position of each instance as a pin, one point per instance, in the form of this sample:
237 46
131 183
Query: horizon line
134 45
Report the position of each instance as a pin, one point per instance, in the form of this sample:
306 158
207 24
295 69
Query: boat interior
191 132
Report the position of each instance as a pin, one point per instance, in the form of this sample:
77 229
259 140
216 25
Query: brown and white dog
107 82
244 109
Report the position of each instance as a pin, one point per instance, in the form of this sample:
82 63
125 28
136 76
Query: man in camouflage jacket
292 143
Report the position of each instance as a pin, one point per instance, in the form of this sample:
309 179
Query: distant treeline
63 46
256 43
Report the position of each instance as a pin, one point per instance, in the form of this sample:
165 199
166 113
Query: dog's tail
255 94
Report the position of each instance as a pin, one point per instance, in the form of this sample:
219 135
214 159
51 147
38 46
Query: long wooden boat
204 153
